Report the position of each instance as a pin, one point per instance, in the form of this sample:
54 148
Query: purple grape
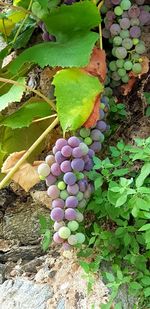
139 2
89 164
101 114
66 151
70 214
66 246
106 33
91 153
108 4
73 141
115 29
66 166
135 32
108 24
77 165
58 203
73 190
71 202
53 192
96 135
57 238
69 178
45 36
110 15
101 125
57 214
59 157
77 152
87 193
55 149
115 2
96 146
124 23
134 11
55 169
144 18
82 185
60 143
50 180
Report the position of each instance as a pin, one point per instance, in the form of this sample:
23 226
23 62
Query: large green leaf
13 95
75 93
145 171
63 21
73 53
24 116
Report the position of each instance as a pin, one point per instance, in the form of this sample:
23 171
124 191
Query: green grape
104 9
108 92
64 194
114 83
124 34
125 4
80 196
135 41
121 72
117 40
121 53
72 240
61 185
80 238
128 65
127 43
140 48
84 132
118 10
114 51
125 79
112 66
88 141
120 63
73 225
137 68
64 232
41 177
115 76
80 176
135 57
102 106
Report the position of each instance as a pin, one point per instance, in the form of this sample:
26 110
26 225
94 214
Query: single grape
117 40
73 141
79 216
96 135
57 214
91 153
135 21
64 194
84 148
96 146
102 126
57 238
58 203
77 152
140 48
115 76
73 190
106 33
43 169
79 176
89 164
127 43
71 202
110 15
108 4
125 4
104 99
108 91
66 166
124 23
114 51
120 63
135 32
50 180
41 177
115 2
118 10
66 151
124 34
72 240
102 115
69 178
135 41
66 246
54 150
134 11
50 159
121 52
73 225
57 225
61 185
59 158
128 65
55 169
77 165
135 57
60 143
84 132
112 64
137 68
80 196
64 232
125 79
70 214
121 72
53 192
87 193
144 18
82 185
115 29
82 204
80 238
88 141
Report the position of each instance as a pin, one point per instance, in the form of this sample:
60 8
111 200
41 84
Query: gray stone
61 304
24 294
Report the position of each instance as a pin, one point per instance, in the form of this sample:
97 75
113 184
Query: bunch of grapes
123 24
94 136
45 35
68 187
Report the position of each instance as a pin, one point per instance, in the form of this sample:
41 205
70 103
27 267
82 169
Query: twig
100 27
27 153
44 118
13 7
5 33
10 81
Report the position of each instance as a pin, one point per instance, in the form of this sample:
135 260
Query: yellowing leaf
75 92
26 176
13 17
6 26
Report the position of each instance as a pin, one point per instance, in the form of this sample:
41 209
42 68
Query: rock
2 273
24 294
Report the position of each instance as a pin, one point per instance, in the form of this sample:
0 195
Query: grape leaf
66 19
7 24
13 95
75 92
24 116
94 116
73 53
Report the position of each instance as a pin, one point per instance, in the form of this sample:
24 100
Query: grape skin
66 151
121 53
58 203
59 157
57 238
55 169
115 29
60 143
135 32
71 202
69 178
53 192
50 180
64 232
77 165
124 23
73 190
70 214
57 214
66 166
43 169
73 141
134 11
50 159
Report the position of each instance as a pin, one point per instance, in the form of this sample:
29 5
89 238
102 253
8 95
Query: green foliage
45 231
121 232
78 90
13 95
147 97
25 115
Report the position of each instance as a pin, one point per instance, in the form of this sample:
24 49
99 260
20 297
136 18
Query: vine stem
27 153
13 7
13 82
100 27
44 118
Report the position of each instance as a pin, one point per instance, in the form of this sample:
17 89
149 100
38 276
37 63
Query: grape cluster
68 187
45 35
123 24
94 136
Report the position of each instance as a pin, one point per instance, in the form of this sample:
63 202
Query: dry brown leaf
94 116
97 65
26 176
